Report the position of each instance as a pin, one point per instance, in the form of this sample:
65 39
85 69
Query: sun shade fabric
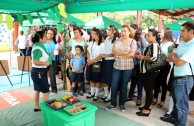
23 6
40 17
86 6
176 26
101 22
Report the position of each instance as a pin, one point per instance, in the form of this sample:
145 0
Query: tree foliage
148 20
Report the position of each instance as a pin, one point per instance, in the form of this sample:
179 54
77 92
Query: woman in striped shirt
150 54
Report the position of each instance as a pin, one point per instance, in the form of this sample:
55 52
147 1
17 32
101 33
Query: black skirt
107 69
93 76
39 77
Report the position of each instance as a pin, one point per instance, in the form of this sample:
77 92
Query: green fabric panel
29 17
61 118
37 54
71 18
51 14
176 26
117 5
20 18
18 6
40 17
57 12
101 22
1 18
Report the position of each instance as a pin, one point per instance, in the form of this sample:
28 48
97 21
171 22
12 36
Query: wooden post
160 20
15 34
99 13
138 18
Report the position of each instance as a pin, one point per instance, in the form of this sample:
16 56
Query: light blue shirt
185 51
50 47
78 62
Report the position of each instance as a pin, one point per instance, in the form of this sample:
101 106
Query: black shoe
104 97
142 114
141 108
37 110
95 98
89 96
107 100
167 115
169 120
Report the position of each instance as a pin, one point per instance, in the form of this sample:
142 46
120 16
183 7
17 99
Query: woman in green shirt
40 61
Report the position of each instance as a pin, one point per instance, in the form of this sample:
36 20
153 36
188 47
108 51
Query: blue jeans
139 88
181 90
124 76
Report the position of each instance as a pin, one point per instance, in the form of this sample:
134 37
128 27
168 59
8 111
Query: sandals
155 101
161 104
104 97
138 103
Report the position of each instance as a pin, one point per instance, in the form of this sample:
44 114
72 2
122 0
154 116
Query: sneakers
122 108
109 108
81 93
169 119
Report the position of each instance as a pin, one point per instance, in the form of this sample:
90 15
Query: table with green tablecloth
53 117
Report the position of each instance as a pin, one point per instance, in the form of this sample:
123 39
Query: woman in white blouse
109 59
94 51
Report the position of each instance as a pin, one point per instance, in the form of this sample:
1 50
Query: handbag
96 67
191 95
159 64
136 70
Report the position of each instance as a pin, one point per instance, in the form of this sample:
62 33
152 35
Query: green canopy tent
86 6
101 22
176 26
48 21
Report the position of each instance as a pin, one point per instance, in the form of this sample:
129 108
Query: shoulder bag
159 64
96 67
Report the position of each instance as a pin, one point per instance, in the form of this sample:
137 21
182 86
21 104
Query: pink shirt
125 63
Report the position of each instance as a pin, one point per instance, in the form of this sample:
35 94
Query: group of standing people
110 63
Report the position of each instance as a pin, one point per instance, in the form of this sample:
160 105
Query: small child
77 64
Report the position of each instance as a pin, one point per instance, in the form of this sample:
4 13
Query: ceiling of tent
86 6
23 6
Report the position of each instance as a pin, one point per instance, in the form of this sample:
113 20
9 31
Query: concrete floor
131 108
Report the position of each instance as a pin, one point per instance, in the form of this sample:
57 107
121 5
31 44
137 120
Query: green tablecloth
52 117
